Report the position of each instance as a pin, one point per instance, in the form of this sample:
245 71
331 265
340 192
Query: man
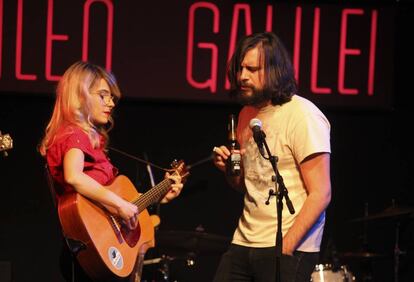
297 132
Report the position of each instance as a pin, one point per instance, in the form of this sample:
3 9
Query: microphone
258 134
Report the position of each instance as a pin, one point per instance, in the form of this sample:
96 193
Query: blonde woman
76 137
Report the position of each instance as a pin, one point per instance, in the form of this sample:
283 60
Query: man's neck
263 104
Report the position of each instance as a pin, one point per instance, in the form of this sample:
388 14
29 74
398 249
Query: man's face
251 78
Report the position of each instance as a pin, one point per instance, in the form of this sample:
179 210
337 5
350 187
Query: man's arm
315 171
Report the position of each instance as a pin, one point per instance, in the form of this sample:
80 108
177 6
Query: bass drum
326 273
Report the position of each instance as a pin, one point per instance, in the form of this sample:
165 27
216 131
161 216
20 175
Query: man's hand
221 154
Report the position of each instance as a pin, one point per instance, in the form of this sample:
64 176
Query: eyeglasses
107 98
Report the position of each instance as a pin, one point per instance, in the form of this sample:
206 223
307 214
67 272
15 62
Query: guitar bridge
116 227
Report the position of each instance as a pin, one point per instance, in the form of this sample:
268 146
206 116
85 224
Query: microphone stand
152 181
280 192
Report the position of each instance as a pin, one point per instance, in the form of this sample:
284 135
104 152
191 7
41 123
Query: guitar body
110 250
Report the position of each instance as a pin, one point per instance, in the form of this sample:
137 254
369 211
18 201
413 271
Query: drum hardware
165 261
397 253
395 213
365 259
328 273
197 242
181 247
392 212
190 259
362 255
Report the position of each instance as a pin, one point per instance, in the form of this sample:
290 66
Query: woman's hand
175 189
73 165
129 214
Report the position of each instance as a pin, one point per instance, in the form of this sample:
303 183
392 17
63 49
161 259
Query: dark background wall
371 164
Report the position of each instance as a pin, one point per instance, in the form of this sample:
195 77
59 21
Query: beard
253 96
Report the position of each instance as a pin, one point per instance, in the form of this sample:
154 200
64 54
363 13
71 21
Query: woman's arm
73 164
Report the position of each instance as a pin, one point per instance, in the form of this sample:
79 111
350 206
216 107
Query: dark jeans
241 263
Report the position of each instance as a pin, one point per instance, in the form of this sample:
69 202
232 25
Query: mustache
245 84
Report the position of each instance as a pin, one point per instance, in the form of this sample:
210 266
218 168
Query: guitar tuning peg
6 143
174 163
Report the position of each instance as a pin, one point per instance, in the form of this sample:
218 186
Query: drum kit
335 272
186 247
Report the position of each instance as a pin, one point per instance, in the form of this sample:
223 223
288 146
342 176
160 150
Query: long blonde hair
73 106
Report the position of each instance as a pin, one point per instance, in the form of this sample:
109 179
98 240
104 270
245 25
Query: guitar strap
74 245
51 185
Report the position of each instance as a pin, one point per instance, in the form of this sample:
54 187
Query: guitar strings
152 195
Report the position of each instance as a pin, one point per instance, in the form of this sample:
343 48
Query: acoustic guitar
107 249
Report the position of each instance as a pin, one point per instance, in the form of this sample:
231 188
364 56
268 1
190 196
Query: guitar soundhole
115 257
131 237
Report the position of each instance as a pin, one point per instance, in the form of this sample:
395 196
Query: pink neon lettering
1 35
343 52
372 52
296 43
212 81
19 44
315 57
49 38
234 26
109 31
269 18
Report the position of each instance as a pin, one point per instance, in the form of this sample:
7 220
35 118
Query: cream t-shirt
293 131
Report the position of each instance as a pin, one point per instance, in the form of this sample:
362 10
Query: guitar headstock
180 168
6 143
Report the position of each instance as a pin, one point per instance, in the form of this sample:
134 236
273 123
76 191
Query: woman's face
102 103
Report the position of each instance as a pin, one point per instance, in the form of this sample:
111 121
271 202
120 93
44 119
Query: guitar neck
153 195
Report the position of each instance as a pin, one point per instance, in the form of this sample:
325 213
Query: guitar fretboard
153 195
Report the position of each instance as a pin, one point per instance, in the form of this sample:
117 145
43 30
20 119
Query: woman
75 140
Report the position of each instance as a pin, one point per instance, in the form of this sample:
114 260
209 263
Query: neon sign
342 54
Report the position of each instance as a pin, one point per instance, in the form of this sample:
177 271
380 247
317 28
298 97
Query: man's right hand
221 154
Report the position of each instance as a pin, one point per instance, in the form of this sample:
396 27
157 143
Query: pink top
96 165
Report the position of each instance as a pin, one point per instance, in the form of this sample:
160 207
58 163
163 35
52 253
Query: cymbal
361 255
391 212
191 241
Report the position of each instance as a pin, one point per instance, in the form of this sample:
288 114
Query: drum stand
165 261
397 252
366 266
396 213
164 269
